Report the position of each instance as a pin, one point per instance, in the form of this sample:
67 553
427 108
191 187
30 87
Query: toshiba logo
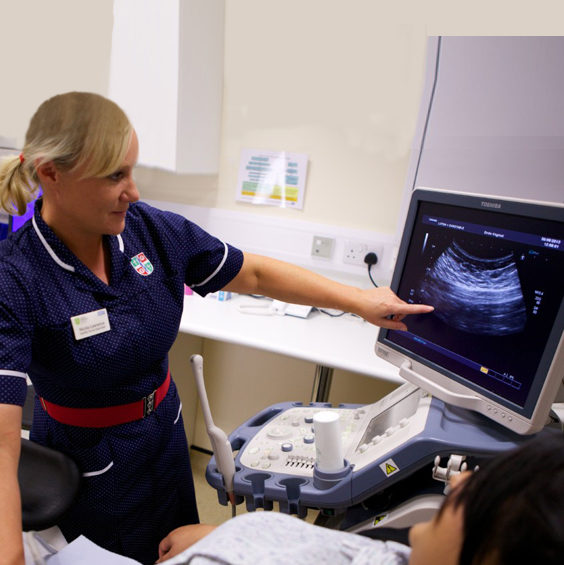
485 204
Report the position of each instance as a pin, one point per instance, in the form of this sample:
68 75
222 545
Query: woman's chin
115 228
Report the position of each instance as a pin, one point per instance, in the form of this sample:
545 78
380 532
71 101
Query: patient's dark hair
514 506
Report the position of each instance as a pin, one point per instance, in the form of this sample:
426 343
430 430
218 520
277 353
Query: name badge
91 323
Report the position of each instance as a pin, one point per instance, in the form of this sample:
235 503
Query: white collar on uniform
52 253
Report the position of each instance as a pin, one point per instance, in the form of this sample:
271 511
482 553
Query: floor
210 510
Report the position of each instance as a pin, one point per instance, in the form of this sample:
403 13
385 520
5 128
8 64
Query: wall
343 89
48 48
340 81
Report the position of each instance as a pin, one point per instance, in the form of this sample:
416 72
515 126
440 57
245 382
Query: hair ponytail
17 188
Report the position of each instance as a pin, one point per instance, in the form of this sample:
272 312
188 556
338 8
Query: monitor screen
494 271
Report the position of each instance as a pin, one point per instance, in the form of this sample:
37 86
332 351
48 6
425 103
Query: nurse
91 296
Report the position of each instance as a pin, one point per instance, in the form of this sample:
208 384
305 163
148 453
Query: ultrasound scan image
477 295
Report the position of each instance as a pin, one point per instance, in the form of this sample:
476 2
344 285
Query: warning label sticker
378 519
389 467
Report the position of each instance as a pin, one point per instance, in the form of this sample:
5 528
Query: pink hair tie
22 159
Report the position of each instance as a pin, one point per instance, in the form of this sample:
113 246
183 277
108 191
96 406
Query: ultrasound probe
220 443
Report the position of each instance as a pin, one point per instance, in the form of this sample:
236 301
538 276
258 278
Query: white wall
48 48
338 81
341 81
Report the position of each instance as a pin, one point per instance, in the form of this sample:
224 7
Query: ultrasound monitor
494 271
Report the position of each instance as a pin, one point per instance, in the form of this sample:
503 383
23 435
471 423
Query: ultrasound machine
482 373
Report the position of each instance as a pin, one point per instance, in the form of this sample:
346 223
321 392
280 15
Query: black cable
336 315
371 259
370 276
330 313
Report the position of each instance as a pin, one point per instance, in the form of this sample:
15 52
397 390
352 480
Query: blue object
395 439
16 222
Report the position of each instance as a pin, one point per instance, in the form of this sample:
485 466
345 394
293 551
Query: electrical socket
355 251
322 246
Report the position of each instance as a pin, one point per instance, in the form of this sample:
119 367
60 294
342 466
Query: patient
510 512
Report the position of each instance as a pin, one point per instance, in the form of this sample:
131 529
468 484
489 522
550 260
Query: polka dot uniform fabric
138 483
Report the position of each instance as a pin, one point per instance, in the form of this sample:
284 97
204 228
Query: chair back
49 482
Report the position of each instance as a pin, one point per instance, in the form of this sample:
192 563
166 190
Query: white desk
346 342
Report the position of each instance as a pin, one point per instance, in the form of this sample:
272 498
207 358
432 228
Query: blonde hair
77 131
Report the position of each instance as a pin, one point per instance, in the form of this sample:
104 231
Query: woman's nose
130 194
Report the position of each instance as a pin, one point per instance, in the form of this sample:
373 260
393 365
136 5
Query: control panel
286 444
382 444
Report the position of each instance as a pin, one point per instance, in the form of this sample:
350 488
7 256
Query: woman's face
91 206
439 541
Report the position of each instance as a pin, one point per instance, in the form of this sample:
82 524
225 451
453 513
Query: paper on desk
85 552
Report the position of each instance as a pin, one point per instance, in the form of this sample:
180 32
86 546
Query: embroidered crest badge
142 265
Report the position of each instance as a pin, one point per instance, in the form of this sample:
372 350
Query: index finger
406 309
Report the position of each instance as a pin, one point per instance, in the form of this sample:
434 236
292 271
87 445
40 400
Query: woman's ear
47 173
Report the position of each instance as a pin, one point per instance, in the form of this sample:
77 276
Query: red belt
109 415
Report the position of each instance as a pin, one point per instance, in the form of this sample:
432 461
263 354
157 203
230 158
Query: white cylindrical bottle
328 441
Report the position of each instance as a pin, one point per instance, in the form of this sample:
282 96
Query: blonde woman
91 296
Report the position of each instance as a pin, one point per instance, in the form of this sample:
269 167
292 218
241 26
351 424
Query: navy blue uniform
137 480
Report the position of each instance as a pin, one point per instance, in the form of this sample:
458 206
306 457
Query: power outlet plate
322 246
354 251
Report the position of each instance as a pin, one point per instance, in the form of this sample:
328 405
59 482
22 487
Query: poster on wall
272 178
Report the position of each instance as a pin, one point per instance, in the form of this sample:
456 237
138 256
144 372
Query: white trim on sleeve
225 253
7 373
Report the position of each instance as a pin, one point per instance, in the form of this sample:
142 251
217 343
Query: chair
49 482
